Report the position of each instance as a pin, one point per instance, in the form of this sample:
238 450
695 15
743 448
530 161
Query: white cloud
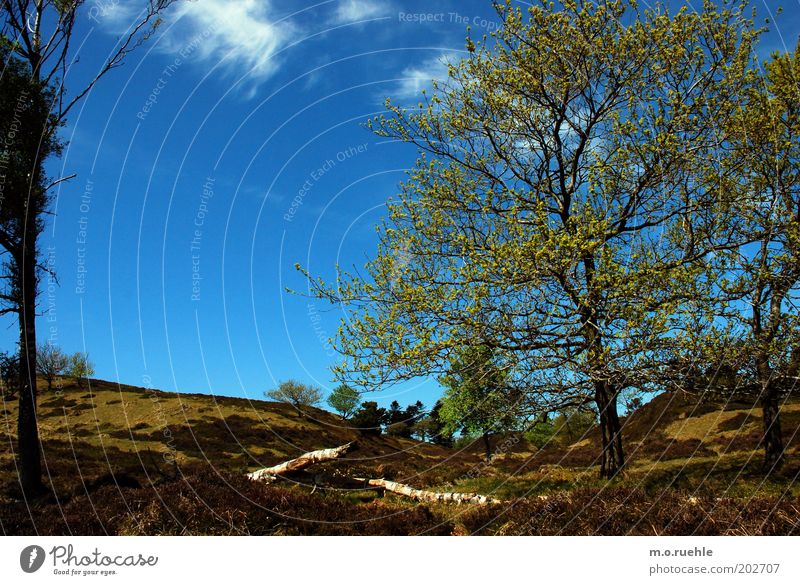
357 10
420 77
241 33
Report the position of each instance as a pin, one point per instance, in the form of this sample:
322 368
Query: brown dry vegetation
694 469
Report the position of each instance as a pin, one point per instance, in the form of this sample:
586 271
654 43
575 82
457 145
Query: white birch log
426 496
269 474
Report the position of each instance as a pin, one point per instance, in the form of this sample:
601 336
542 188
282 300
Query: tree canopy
567 184
295 393
752 347
344 400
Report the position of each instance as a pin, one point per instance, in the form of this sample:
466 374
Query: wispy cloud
357 10
244 34
415 78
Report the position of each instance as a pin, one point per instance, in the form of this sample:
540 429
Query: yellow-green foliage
565 190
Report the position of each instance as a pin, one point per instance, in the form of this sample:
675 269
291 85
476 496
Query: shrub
80 367
344 400
540 434
51 363
296 393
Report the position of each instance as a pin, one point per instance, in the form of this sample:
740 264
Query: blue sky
224 151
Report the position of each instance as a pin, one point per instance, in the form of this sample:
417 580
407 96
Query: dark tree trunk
30 466
773 440
770 407
488 446
612 459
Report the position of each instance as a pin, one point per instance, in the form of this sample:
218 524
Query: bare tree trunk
488 446
773 439
30 466
612 459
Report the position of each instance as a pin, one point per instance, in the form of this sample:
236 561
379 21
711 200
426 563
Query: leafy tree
344 400
477 399
770 278
80 367
296 393
753 347
566 427
51 363
559 204
369 419
39 58
9 374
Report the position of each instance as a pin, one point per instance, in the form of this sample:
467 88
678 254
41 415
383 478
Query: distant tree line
413 421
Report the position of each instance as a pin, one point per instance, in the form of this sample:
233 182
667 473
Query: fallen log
269 474
426 496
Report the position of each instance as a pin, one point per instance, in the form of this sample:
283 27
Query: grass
108 449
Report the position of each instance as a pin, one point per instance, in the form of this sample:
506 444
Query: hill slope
109 428
110 449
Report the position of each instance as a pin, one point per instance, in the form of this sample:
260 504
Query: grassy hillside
108 453
109 428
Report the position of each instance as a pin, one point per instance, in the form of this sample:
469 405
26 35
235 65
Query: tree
400 422
344 400
433 429
755 345
411 416
24 115
477 399
9 375
559 204
80 367
369 419
297 394
35 36
51 363
770 145
394 416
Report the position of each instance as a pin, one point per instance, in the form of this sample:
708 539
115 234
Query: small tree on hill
344 400
80 367
51 363
394 415
296 393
